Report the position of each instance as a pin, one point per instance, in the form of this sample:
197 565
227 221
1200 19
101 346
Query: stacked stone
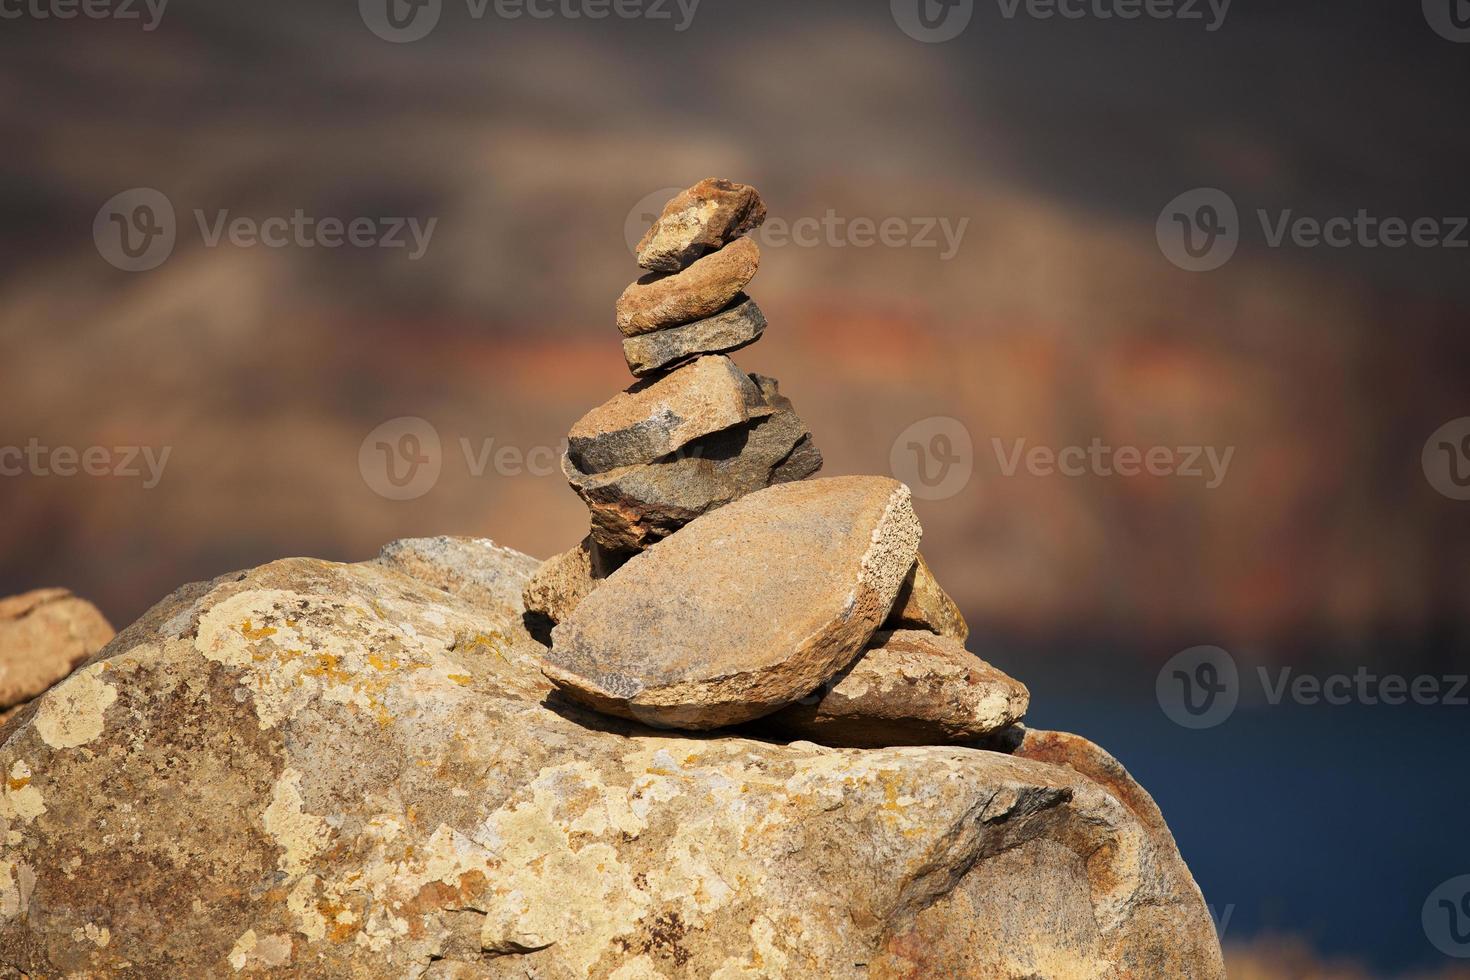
694 432
719 587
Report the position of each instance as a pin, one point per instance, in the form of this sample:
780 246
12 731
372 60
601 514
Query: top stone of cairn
699 220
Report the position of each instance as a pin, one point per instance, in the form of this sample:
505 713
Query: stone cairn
717 585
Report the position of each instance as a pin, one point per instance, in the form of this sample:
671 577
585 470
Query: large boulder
322 770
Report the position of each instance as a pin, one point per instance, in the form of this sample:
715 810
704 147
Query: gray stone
735 327
657 417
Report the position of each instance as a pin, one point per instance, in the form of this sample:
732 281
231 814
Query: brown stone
653 418
923 605
699 220
634 506
910 687
657 300
735 327
744 610
44 635
564 580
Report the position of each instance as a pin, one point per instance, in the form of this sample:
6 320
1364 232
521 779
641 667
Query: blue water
1329 823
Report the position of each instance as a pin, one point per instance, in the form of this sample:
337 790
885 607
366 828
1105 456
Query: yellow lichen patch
300 835
248 630
21 801
547 890
463 680
71 713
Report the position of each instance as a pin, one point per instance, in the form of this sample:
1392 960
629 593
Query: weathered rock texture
44 635
564 580
744 610
699 220
923 604
729 330
653 418
317 770
909 687
656 301
632 507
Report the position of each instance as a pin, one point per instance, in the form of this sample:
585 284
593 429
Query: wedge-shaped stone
924 605
735 327
706 287
743 611
699 220
910 687
562 581
653 418
632 507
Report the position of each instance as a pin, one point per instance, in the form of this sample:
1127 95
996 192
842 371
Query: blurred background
1027 172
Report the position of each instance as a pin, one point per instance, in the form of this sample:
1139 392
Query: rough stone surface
653 418
910 687
564 580
633 507
744 610
44 635
729 330
958 935
923 604
699 220
319 770
706 287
